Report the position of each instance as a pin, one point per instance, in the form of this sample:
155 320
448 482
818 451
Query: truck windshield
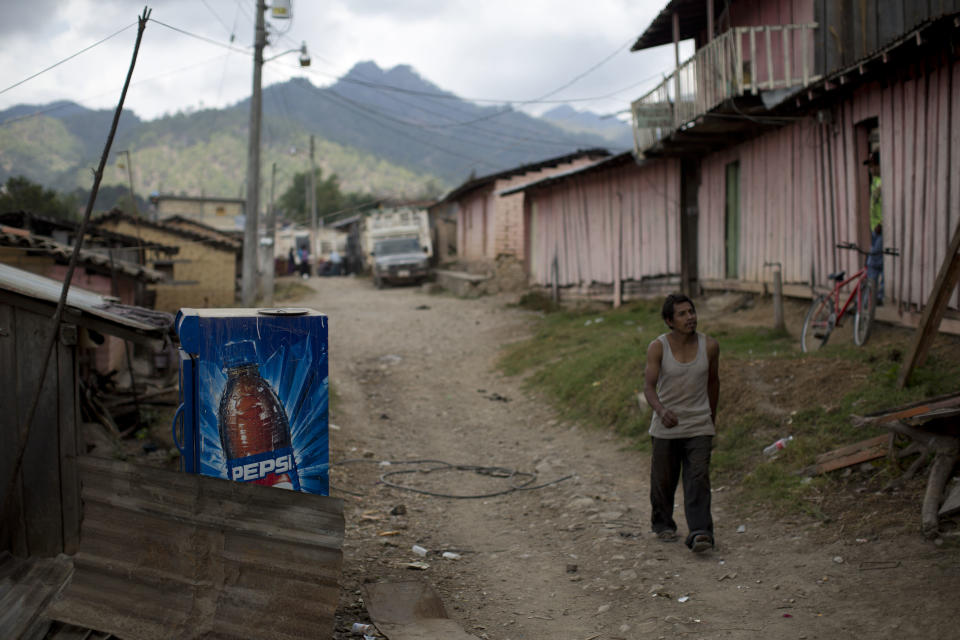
393 246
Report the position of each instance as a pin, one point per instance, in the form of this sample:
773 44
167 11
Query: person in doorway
875 259
304 263
292 261
336 261
682 386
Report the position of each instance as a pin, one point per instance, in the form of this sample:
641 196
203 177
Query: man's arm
713 377
650 376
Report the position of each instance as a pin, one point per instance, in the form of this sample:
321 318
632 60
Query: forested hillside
385 133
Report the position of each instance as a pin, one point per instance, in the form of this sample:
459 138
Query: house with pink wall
491 227
772 119
610 230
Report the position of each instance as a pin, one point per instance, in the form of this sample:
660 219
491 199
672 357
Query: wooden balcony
742 61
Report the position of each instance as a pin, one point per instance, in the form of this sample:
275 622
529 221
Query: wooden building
46 499
610 230
203 273
490 226
778 110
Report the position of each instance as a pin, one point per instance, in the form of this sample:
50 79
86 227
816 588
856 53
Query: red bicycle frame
859 276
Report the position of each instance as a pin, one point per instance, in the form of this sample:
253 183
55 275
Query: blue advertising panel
260 392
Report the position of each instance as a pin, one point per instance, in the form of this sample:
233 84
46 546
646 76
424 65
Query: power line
540 141
70 57
587 72
219 19
356 106
199 37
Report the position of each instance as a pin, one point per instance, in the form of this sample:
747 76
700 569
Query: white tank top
682 388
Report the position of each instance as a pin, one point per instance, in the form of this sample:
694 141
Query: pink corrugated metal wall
577 221
800 189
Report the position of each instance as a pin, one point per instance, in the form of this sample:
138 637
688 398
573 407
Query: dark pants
691 458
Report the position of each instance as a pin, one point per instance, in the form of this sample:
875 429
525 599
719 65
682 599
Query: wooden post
933 311
676 70
787 54
618 255
709 20
556 280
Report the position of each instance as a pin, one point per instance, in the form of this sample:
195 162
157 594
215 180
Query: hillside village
796 133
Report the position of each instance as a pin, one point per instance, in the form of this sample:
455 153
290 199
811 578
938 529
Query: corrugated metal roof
477 183
42 288
176 555
43 225
693 21
88 257
181 222
27 585
116 216
613 161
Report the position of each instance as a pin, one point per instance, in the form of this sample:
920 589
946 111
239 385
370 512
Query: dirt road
413 380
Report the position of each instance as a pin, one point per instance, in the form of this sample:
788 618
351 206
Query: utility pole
270 252
248 287
141 259
313 205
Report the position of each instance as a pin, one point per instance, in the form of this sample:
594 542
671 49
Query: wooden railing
740 61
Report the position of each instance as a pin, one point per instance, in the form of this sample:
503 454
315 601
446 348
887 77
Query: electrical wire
528 478
217 16
585 73
486 133
70 57
203 38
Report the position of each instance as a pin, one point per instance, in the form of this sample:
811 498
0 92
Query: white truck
397 245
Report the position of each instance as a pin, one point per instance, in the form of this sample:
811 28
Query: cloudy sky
493 51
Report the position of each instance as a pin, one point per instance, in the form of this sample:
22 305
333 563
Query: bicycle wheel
818 324
866 309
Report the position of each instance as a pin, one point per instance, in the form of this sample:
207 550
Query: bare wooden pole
24 433
943 288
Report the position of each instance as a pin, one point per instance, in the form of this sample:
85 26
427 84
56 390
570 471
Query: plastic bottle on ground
777 446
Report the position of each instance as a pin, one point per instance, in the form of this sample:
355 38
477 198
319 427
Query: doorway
731 238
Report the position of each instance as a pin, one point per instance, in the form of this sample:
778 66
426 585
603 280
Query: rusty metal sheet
26 586
410 611
174 555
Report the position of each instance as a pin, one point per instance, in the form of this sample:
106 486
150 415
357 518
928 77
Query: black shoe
701 543
667 535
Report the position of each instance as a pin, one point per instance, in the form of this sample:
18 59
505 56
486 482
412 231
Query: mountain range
384 132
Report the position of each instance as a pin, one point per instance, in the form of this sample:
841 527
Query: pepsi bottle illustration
254 430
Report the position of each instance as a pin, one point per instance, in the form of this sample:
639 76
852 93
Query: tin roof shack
607 231
122 281
490 230
47 500
777 157
224 214
203 273
101 248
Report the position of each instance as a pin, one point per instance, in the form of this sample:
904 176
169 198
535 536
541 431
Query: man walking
682 386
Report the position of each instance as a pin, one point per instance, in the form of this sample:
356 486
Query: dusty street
412 378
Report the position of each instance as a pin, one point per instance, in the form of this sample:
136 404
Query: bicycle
822 317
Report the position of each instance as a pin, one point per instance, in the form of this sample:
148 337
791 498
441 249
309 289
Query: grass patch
291 291
537 301
591 365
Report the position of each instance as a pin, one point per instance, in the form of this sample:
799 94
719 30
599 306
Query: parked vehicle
397 245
